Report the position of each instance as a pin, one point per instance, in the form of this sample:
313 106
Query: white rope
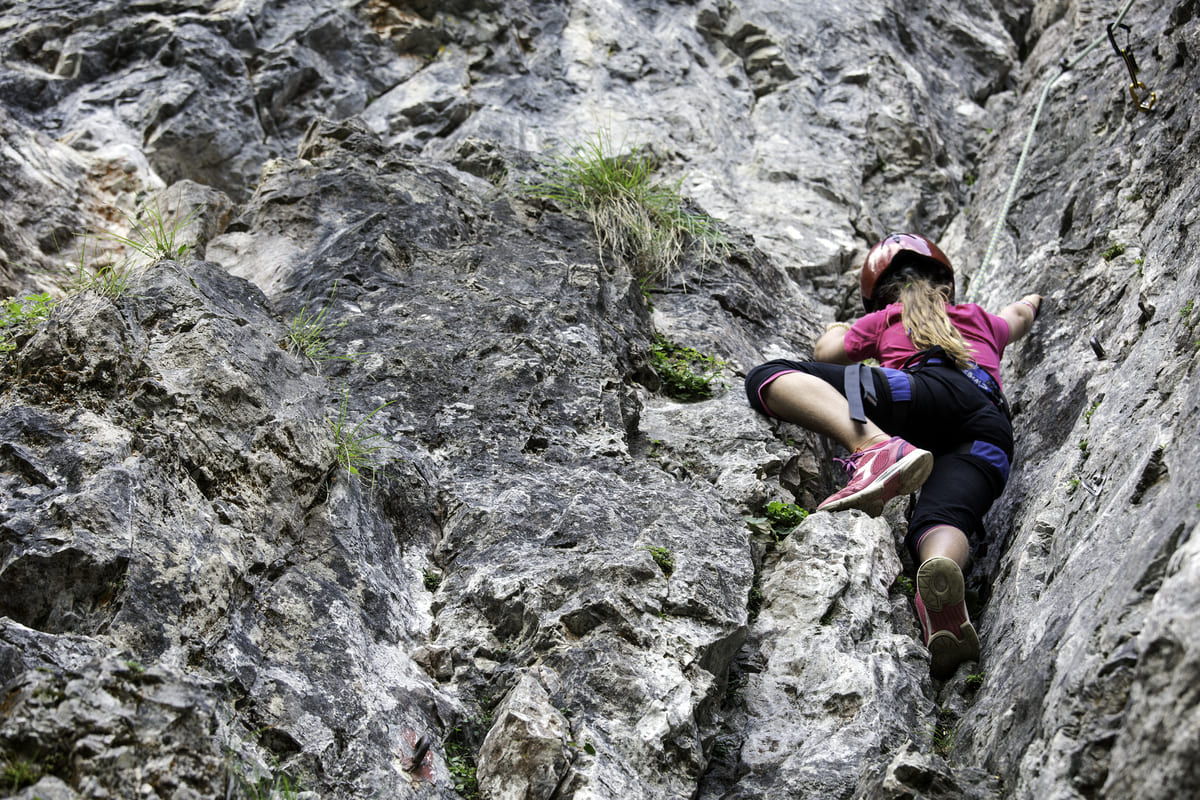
977 278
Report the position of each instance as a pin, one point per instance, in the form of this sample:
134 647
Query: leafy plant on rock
460 759
662 556
785 515
634 216
686 373
19 314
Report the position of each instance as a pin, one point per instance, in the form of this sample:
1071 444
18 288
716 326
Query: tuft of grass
944 733
662 556
100 274
355 449
18 773
905 585
308 336
686 373
639 219
20 314
1113 251
155 235
974 681
247 783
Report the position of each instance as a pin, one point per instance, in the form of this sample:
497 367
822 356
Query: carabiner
1145 102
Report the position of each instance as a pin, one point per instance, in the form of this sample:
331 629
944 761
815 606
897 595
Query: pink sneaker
941 607
879 473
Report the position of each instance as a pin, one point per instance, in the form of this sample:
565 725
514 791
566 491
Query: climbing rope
1067 65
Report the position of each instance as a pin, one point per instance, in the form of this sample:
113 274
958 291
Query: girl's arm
1020 315
831 347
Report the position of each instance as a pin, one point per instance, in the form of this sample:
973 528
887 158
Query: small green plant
974 681
1087 415
461 762
785 515
308 336
433 579
970 179
634 216
944 735
1083 445
686 373
905 585
18 773
154 236
1113 251
754 601
1073 484
354 449
277 786
1186 311
662 556
100 273
19 314
249 783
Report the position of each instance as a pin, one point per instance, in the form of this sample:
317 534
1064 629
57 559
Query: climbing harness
856 384
936 355
1067 66
1143 105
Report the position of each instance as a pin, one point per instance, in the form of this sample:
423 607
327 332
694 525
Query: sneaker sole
946 651
940 582
904 477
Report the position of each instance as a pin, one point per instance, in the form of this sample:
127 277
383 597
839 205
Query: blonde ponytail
925 320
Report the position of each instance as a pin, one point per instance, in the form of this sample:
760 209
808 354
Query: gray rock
547 560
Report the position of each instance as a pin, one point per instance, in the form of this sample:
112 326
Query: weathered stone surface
169 496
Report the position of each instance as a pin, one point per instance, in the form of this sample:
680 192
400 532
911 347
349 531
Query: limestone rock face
466 543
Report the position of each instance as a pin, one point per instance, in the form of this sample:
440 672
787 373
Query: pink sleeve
862 340
1000 331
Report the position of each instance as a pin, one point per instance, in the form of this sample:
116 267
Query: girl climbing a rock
931 417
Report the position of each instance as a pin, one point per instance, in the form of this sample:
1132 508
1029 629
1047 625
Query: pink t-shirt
881 335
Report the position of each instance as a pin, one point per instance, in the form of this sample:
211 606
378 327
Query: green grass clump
686 373
154 235
1113 252
355 449
18 773
19 314
641 220
308 336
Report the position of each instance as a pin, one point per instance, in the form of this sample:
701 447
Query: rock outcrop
473 547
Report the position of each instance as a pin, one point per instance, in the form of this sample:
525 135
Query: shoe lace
850 463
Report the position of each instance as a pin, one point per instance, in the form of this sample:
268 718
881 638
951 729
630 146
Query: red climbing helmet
899 249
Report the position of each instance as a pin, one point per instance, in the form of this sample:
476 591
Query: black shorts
939 409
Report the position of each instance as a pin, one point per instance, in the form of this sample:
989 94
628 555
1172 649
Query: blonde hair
925 320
